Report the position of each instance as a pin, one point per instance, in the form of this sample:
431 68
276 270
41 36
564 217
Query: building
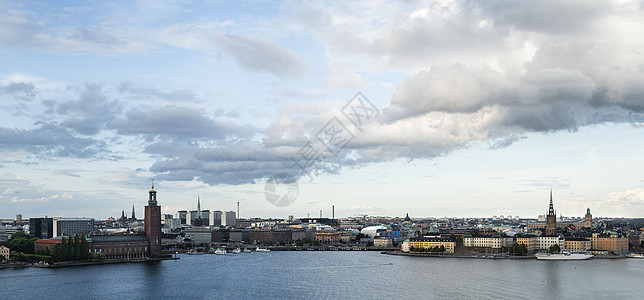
18 219
199 235
530 241
229 219
239 235
153 224
215 218
271 236
41 227
126 246
578 244
5 252
544 242
588 219
170 223
551 219
71 226
327 236
404 247
42 245
182 214
611 242
416 245
133 217
496 241
383 242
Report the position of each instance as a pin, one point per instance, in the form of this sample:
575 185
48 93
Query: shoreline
475 256
86 263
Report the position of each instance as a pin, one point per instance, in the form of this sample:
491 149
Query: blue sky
483 106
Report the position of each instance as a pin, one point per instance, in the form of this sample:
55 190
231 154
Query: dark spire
551 210
133 214
198 206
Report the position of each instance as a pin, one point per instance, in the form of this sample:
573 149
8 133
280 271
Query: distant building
41 227
215 218
228 218
382 242
127 246
153 224
327 236
578 244
182 214
18 219
418 244
71 226
610 242
530 241
544 242
496 241
5 252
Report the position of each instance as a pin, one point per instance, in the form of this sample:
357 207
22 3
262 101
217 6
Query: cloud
23 91
180 123
258 55
89 114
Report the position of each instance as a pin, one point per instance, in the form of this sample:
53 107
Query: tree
20 242
84 248
554 248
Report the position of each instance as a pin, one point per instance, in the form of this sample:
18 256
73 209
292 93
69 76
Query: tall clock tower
153 224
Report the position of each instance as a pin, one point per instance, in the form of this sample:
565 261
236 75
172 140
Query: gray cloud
24 91
259 55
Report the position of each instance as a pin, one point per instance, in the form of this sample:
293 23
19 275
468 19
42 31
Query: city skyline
481 107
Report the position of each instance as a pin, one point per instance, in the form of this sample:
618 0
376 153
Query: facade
199 234
496 241
5 252
544 242
228 218
551 219
239 235
611 242
404 247
215 218
182 214
41 227
530 241
170 223
327 236
41 245
271 236
383 242
153 224
72 226
428 243
588 219
128 246
577 244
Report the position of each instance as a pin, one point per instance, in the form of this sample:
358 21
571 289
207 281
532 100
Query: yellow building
530 241
578 244
4 251
418 245
611 242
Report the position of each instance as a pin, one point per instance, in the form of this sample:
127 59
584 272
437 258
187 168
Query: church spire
198 206
133 214
551 210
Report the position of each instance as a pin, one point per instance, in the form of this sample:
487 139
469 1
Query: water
331 274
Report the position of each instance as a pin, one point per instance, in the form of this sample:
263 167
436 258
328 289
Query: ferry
564 255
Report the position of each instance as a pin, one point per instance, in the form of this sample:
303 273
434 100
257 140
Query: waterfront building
5 252
42 245
239 235
124 246
72 226
530 241
588 219
327 236
428 243
578 244
496 241
611 242
41 227
199 235
271 236
383 242
153 224
544 242
404 247
374 231
551 219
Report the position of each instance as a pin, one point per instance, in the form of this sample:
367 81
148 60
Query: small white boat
564 255
236 251
262 250
635 255
220 251
246 250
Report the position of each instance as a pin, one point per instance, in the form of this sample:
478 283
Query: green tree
77 246
20 242
554 248
84 248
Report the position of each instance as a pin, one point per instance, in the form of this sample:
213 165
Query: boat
236 251
635 255
246 250
262 250
220 251
564 255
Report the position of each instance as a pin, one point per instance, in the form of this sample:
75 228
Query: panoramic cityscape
441 149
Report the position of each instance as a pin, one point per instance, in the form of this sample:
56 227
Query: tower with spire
133 217
551 219
588 219
153 224
198 220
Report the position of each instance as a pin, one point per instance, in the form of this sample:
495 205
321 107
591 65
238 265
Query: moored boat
220 251
262 250
564 255
236 251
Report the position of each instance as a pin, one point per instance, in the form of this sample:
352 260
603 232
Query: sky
432 108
